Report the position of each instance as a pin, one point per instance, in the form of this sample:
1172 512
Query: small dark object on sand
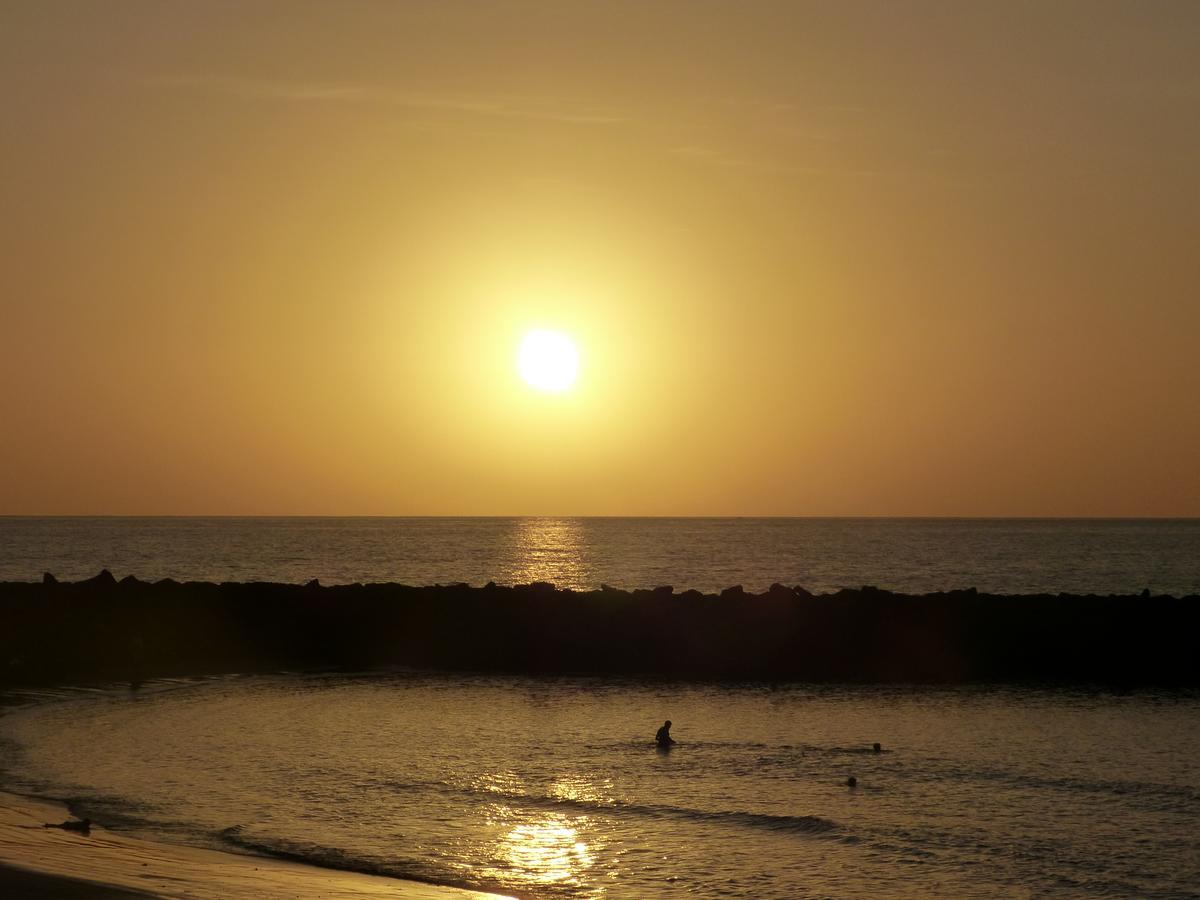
851 781
82 826
877 747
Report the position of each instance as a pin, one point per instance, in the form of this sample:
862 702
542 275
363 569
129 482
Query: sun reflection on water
582 789
550 550
547 851
539 847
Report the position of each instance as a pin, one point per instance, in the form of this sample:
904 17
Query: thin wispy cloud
666 131
491 105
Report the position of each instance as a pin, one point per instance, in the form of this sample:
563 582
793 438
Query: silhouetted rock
104 579
664 590
315 583
47 578
129 581
87 631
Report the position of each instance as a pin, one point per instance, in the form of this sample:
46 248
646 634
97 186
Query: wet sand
38 862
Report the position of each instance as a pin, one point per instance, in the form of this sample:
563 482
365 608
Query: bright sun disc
548 361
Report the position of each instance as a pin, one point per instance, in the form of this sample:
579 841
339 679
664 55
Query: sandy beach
38 862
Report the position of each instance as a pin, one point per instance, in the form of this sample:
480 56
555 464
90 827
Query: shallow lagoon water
552 788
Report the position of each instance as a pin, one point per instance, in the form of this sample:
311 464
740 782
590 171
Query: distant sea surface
913 555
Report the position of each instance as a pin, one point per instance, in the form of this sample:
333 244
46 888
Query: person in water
663 736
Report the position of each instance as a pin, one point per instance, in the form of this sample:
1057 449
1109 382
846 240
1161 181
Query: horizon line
1010 517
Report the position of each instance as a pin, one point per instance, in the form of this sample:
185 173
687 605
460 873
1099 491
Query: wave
811 825
744 746
769 821
1080 871
333 858
1149 795
421 870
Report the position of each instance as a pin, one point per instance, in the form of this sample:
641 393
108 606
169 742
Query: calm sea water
552 788
1000 555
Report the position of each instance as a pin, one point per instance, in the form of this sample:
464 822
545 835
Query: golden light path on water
551 550
550 851
543 848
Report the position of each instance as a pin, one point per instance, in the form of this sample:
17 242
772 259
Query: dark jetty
105 630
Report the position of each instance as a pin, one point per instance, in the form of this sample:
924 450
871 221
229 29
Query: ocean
914 555
552 788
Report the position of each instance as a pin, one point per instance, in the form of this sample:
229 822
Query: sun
548 361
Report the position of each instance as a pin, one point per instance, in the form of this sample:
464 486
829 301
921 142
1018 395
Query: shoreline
38 862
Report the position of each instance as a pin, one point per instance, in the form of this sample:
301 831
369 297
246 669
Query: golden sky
844 258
